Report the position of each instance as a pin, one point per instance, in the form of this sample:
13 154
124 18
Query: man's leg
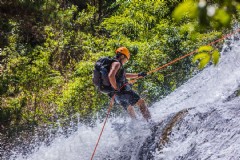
131 112
144 110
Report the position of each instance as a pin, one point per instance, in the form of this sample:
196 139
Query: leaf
238 7
200 56
223 17
215 57
186 8
205 54
205 48
204 62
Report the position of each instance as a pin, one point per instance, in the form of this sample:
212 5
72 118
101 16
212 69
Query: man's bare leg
144 110
131 112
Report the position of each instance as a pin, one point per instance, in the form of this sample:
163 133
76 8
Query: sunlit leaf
205 49
200 56
187 8
205 54
204 61
215 57
238 7
223 17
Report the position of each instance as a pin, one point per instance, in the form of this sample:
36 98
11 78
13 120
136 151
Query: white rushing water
212 137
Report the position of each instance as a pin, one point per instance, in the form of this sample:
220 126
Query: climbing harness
152 71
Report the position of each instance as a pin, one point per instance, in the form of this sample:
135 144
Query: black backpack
100 74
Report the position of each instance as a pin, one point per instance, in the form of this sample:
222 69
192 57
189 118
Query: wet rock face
143 145
205 133
210 133
234 95
160 135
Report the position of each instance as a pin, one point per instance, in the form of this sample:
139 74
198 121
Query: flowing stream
199 120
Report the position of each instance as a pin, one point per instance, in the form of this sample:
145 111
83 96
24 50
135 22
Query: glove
115 91
142 74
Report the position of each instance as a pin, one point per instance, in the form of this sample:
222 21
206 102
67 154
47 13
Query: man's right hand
142 74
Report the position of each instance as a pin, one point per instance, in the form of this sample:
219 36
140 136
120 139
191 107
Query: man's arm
112 74
132 75
136 75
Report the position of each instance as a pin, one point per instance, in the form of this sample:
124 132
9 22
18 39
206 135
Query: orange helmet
124 51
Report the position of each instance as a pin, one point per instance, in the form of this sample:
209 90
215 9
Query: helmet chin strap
122 59
119 56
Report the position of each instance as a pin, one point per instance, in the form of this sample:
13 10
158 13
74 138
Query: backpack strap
115 60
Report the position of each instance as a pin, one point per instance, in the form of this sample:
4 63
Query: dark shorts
126 98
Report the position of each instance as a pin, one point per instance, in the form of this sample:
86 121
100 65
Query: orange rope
109 109
150 72
105 121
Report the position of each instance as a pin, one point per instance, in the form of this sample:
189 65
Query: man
124 95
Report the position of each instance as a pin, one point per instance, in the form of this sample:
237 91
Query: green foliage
215 57
215 14
222 17
204 59
85 18
135 20
205 54
186 9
